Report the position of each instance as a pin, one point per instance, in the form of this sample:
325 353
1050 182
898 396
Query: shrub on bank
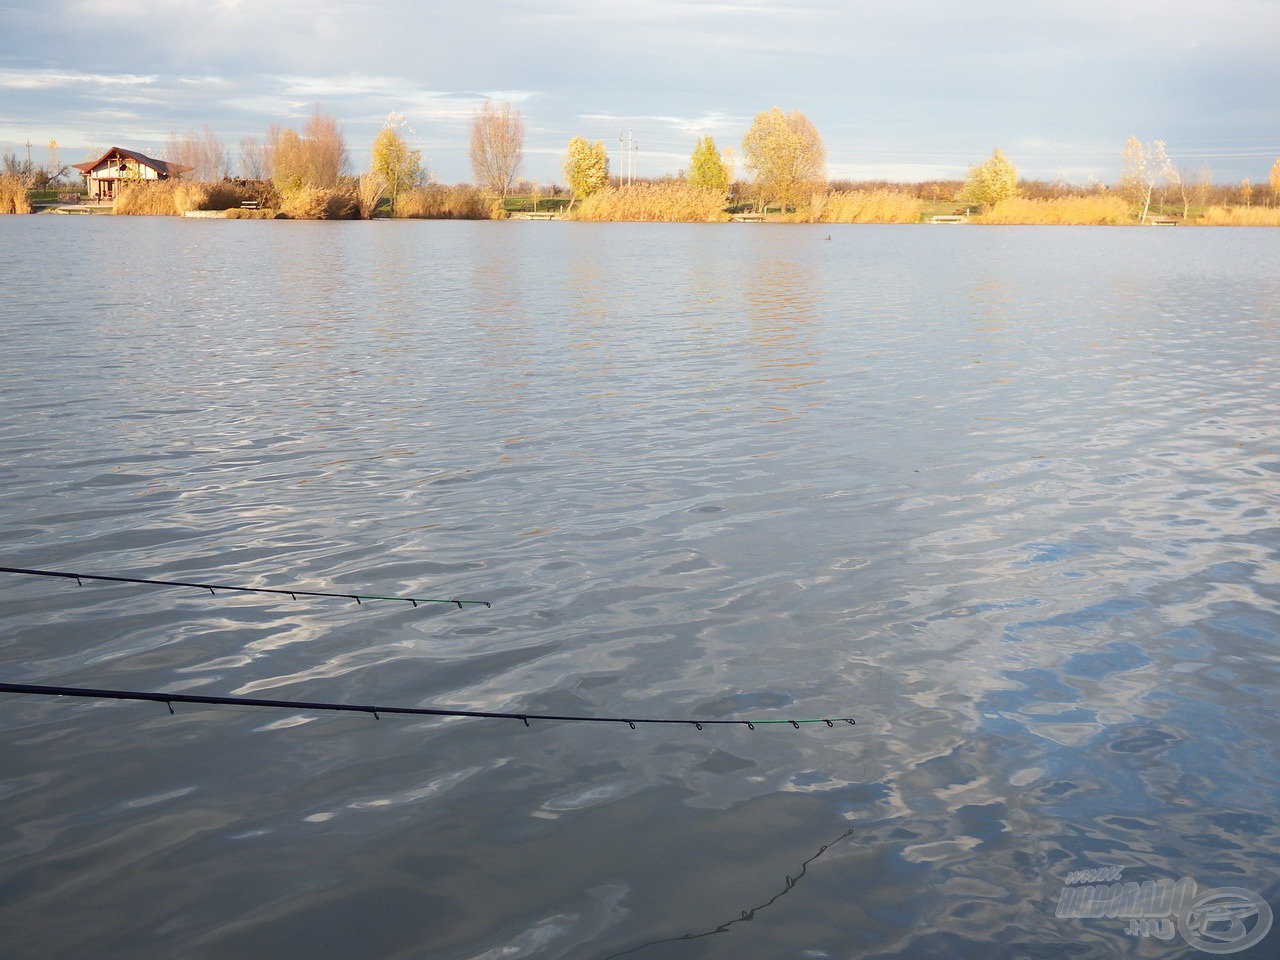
1094 210
436 201
671 201
13 195
865 206
1240 217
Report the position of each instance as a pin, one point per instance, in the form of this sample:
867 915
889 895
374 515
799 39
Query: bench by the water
535 215
248 204
949 218
747 217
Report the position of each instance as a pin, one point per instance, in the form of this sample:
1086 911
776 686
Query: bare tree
325 148
253 159
497 147
204 152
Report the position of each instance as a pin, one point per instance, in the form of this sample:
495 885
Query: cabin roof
160 166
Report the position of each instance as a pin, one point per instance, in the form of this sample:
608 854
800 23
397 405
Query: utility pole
627 146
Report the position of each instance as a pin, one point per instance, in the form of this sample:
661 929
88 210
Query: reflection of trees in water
784 314
750 914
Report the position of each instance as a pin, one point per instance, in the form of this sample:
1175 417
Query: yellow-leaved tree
1144 166
991 181
707 168
787 156
586 167
394 162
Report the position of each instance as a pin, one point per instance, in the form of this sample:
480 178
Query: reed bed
865 206
319 203
1240 217
173 198
439 202
13 195
370 189
147 198
1063 211
674 201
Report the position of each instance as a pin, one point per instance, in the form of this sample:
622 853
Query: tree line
308 172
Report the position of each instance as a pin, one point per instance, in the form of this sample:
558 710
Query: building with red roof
102 176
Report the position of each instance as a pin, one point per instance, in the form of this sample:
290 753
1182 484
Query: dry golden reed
669 201
172 198
237 214
319 203
13 195
864 206
1093 210
1240 217
147 198
439 202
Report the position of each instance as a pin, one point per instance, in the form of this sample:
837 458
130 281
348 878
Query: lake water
1010 497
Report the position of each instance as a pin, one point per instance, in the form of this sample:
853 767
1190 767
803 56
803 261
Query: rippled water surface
1010 497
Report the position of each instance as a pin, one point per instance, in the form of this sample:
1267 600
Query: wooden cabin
102 175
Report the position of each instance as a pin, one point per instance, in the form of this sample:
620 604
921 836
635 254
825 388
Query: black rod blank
214 587
169 699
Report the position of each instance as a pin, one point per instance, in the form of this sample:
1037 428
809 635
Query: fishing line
745 915
214 587
169 699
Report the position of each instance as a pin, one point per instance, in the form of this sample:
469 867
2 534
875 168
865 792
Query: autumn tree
203 152
787 156
325 150
254 159
53 168
586 167
289 161
1144 166
497 147
1203 186
991 181
707 168
317 158
1275 181
394 162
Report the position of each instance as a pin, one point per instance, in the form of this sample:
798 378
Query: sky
904 91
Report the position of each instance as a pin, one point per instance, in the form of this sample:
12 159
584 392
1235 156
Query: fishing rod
169 699
79 578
